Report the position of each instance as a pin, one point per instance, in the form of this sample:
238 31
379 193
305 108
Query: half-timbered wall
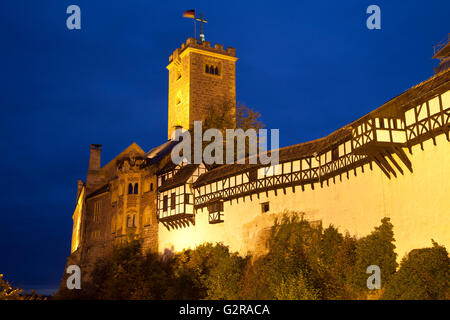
341 186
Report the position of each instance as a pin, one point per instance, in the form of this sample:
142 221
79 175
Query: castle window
265 207
172 201
165 200
334 154
130 188
136 188
131 220
210 69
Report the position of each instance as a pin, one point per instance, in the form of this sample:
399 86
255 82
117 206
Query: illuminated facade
395 162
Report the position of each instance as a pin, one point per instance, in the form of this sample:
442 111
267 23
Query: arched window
151 186
216 71
206 68
130 188
136 188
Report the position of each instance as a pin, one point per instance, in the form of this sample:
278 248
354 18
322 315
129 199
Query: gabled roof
180 178
100 190
131 148
158 153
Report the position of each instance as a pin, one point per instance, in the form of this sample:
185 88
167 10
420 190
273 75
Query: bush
304 261
423 274
375 249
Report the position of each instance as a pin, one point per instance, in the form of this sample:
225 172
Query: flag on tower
189 14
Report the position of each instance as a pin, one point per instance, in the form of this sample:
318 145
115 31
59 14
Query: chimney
94 159
93 179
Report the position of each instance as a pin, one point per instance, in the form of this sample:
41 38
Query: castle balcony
380 138
178 220
375 133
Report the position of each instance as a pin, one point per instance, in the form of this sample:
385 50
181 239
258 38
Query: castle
394 161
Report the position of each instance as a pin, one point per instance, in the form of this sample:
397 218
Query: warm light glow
77 221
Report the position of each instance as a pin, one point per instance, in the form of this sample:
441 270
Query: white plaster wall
418 204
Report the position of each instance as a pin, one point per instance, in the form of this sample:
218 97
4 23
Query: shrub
423 274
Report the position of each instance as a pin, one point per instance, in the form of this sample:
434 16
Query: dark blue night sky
309 67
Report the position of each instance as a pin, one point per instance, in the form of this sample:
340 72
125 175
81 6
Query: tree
375 249
247 118
230 116
214 271
7 292
423 274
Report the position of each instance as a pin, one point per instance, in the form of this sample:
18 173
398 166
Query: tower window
151 186
130 188
210 69
136 188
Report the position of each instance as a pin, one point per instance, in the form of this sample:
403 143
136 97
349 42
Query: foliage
214 270
8 292
423 274
375 249
247 118
220 116
230 116
303 261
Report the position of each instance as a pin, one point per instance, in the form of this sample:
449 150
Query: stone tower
200 76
